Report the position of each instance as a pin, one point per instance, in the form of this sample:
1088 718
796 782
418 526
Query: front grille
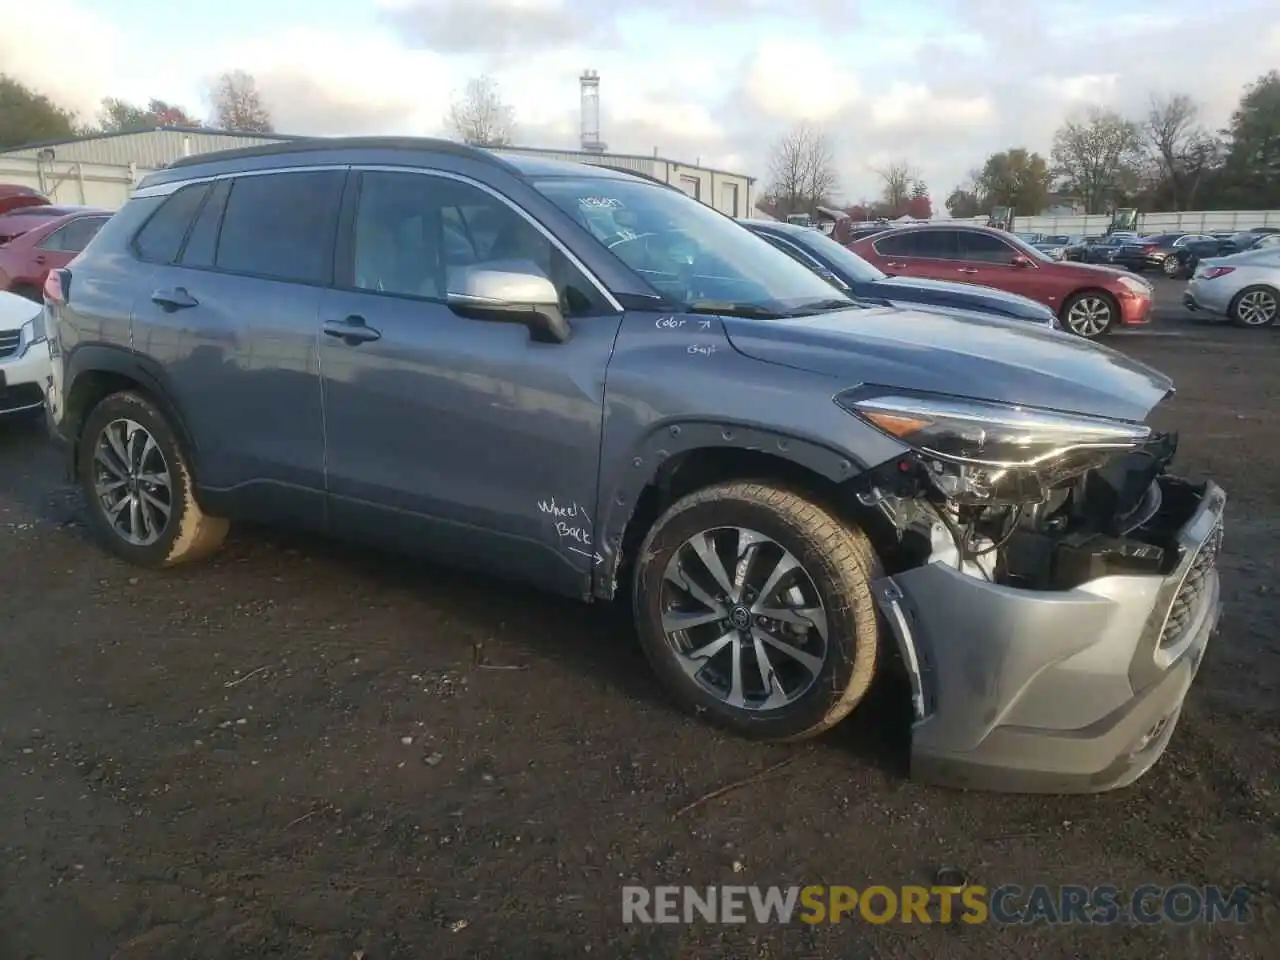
9 340
1187 601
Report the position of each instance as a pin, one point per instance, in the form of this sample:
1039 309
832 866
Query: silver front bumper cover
1073 691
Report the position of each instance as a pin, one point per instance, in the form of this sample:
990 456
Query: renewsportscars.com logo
1007 904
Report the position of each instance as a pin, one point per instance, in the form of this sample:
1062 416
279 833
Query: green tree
1253 157
120 116
963 202
1098 155
1015 178
29 117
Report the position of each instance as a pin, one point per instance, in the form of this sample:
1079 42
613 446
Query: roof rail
308 144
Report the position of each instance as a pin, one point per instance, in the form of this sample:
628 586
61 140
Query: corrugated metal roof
148 149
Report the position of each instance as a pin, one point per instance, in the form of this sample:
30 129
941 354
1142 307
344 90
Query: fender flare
671 440
147 373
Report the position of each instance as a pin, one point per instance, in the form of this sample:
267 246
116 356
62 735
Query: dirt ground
306 750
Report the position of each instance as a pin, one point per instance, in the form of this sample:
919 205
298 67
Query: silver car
1244 287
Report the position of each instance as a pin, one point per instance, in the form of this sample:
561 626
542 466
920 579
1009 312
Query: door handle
175 299
352 331
41 258
965 270
896 266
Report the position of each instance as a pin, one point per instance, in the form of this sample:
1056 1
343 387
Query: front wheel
1090 314
1172 267
753 604
138 486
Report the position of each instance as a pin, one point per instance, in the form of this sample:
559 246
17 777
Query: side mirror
1021 260
514 291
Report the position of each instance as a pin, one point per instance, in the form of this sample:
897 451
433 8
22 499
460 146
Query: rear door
232 312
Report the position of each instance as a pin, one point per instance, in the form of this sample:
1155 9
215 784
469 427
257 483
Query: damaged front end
1051 587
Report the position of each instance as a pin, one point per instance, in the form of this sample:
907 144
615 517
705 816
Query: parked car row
583 379
1243 287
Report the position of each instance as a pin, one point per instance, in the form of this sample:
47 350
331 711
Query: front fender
676 384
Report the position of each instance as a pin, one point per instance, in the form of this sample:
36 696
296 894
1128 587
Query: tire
1171 268
1089 302
837 565
188 533
1255 307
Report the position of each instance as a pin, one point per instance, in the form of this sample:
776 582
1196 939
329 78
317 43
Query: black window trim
180 259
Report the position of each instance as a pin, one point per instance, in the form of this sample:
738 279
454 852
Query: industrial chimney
590 85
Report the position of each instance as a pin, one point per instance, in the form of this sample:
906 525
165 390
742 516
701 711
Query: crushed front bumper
1068 691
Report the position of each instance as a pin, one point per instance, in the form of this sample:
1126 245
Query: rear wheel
1090 314
753 605
138 486
1255 306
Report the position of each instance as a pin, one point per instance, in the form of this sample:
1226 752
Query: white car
24 355
1244 287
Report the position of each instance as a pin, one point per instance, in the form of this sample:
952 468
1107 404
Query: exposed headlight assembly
983 453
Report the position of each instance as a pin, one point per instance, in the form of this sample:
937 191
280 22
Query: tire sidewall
134 407
837 671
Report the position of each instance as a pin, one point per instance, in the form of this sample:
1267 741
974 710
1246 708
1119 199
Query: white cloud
941 84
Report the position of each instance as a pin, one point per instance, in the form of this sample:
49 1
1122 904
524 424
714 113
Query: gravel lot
306 750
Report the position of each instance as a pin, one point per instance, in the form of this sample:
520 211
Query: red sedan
1089 300
25 261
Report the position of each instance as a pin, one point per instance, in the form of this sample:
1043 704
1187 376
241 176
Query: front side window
697 258
844 259
280 226
984 248
412 233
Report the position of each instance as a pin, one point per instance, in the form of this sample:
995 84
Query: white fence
89 184
1191 221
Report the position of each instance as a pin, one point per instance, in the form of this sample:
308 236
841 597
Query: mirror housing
1021 260
514 291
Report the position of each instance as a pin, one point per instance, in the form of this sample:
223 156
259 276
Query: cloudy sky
939 82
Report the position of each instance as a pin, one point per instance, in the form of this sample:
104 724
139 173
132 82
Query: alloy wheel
743 618
1257 308
1171 266
1089 316
132 482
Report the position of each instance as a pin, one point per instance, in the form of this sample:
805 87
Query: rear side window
281 226
75 236
203 241
161 238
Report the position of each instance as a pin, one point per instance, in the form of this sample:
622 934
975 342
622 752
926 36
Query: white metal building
100 171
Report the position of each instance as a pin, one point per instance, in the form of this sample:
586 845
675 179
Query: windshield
840 257
688 252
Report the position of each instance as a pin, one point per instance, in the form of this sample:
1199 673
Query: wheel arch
680 458
94 372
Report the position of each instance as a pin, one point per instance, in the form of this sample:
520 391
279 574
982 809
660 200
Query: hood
968 355
1097 268
966 295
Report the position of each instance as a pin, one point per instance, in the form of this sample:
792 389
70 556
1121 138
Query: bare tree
1181 149
802 172
899 178
237 104
480 116
1098 156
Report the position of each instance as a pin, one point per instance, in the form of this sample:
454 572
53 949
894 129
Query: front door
459 438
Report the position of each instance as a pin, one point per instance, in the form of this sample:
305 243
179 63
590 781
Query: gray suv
583 379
